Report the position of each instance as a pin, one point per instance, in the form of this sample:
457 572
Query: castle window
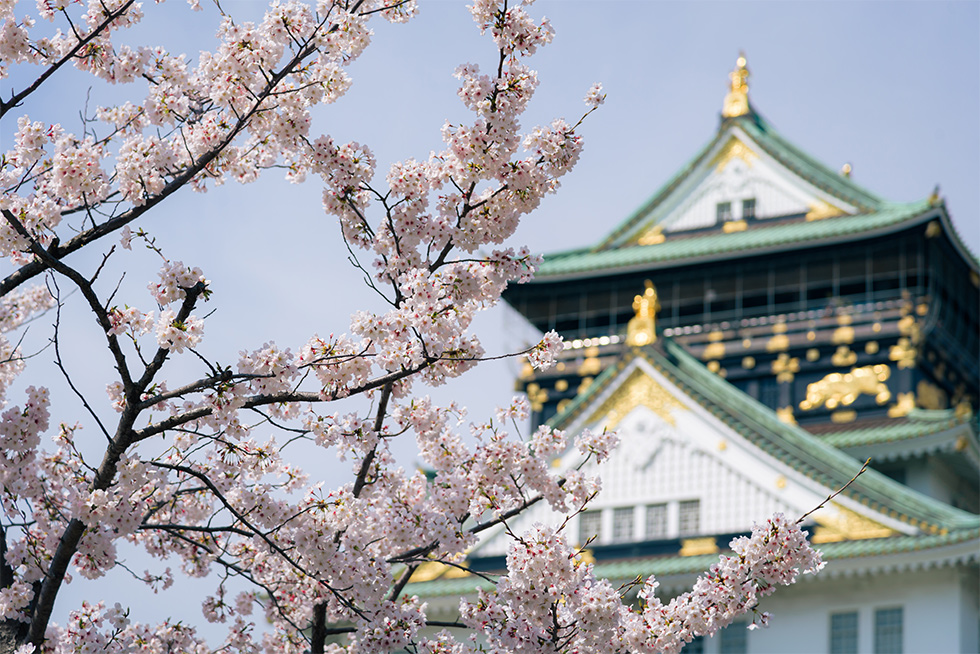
769 392
589 526
623 524
724 211
689 517
844 633
656 528
734 639
888 631
748 208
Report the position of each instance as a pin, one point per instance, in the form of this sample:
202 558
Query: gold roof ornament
737 100
641 329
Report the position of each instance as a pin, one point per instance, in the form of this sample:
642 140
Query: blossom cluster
550 600
543 355
15 309
189 472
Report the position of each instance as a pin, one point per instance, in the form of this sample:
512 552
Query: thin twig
836 492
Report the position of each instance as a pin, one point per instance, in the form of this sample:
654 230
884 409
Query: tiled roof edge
765 238
677 565
817 460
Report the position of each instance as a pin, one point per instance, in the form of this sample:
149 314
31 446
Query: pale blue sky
891 87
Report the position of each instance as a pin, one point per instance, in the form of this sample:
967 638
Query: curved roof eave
797 448
585 270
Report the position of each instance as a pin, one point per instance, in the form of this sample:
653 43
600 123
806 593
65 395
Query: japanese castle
755 332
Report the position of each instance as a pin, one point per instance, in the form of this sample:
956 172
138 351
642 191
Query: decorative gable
737 182
681 473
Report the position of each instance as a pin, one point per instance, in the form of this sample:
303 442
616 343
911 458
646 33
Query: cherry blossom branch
58 251
206 530
278 398
255 531
378 423
122 439
835 493
83 285
19 97
241 572
55 340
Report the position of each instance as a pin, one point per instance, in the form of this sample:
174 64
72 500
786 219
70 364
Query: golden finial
641 329
737 100
845 170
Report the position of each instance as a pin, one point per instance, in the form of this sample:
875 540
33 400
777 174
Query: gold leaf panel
639 389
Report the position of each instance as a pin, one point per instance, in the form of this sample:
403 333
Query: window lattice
724 211
656 527
888 631
623 524
589 526
844 633
689 518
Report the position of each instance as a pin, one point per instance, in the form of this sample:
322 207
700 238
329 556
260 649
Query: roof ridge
832 180
657 196
664 566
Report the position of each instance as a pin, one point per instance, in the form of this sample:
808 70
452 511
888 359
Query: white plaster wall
936 619
970 612
738 181
659 463
940 612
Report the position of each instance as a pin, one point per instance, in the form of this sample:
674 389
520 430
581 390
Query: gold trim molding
847 525
737 99
785 367
785 414
715 350
931 396
903 406
843 357
904 353
843 334
642 328
695 546
653 236
638 389
734 149
820 210
778 343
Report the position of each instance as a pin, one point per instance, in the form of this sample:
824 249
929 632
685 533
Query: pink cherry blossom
212 468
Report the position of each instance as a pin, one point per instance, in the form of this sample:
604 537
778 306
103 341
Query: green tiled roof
801 450
618 250
807 167
920 423
763 135
831 551
681 565
760 237
640 214
790 444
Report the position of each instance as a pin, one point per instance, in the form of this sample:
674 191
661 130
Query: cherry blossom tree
206 469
